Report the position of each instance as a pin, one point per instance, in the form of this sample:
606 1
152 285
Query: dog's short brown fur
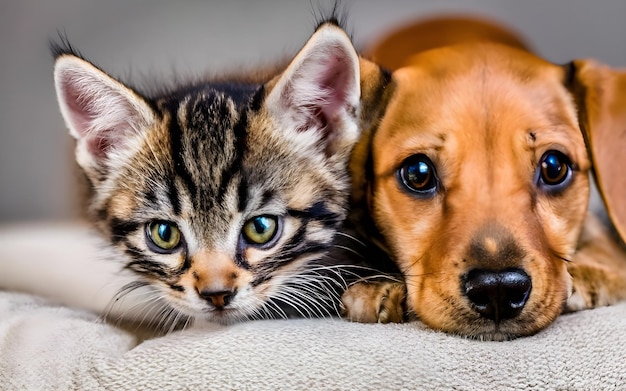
495 248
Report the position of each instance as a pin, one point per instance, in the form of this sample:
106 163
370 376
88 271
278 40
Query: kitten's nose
497 295
219 299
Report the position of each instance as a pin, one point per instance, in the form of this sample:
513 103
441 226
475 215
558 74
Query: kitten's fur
216 162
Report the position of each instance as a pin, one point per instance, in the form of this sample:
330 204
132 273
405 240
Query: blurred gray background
156 37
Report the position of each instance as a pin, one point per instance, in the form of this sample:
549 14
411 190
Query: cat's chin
225 316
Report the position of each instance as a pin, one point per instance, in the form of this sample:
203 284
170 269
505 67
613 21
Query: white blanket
49 346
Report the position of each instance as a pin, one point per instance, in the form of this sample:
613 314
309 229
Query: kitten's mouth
220 311
225 315
220 314
223 312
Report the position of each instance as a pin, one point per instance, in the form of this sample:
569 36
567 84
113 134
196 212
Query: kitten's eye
260 230
554 170
164 235
417 174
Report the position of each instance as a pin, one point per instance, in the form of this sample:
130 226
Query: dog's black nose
497 295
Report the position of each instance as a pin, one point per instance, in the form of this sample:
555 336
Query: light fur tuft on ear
317 97
600 93
104 116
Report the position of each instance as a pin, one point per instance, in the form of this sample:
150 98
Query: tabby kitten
224 197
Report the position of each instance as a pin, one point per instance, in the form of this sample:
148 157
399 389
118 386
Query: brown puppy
477 180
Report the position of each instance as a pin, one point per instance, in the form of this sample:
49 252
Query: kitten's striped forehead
207 133
203 141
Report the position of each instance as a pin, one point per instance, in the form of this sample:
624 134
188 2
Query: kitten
224 197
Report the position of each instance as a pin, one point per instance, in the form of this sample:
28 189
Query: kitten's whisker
311 295
349 250
120 296
175 321
295 303
321 280
313 291
156 305
277 308
262 309
153 307
377 277
351 237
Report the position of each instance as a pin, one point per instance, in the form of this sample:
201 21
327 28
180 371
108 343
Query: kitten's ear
318 94
105 117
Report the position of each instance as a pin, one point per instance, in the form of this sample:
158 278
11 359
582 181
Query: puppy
476 179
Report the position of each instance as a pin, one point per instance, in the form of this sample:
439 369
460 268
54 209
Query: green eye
260 230
164 235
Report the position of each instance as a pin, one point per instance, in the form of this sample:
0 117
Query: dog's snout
497 295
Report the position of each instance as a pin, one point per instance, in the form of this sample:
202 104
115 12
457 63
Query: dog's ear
600 95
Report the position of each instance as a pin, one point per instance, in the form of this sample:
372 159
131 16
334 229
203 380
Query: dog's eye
417 174
554 169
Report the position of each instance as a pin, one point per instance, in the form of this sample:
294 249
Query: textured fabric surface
45 345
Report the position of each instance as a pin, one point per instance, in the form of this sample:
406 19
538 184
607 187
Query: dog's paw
374 302
594 286
598 269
